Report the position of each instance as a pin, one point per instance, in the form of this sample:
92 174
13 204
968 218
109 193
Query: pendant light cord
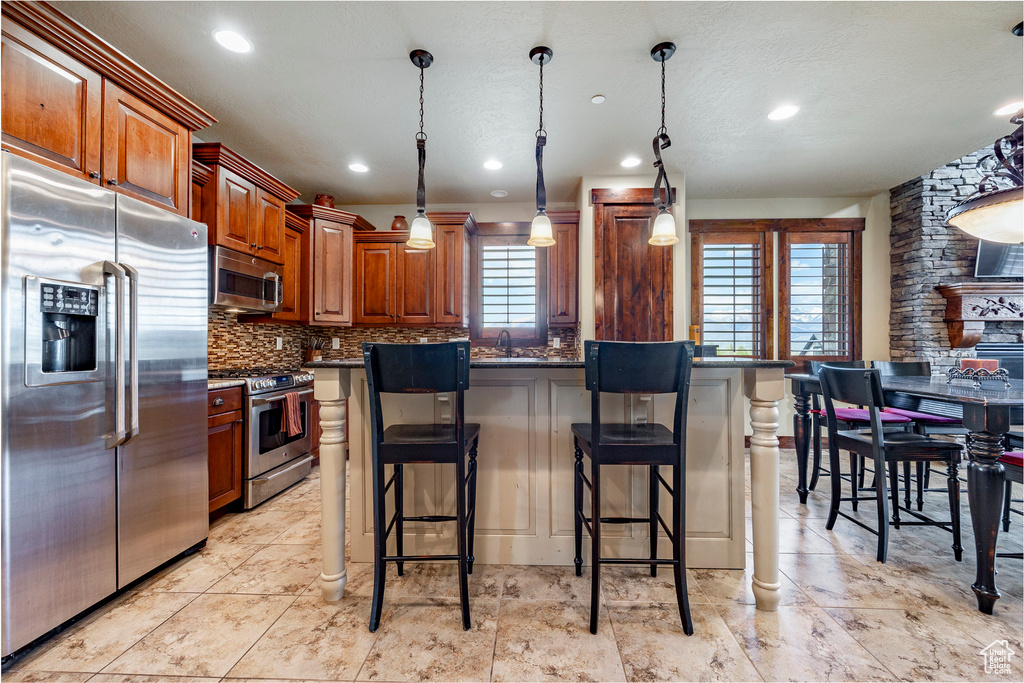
542 139
421 151
662 189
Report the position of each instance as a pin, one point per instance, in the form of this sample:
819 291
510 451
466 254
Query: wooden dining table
986 415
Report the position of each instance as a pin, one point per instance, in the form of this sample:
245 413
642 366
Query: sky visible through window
819 300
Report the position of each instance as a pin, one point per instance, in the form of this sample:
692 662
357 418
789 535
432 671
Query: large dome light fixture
664 232
995 213
540 229
421 232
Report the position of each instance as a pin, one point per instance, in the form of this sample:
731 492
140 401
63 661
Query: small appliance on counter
274 459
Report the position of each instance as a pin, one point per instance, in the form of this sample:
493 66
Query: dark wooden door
225 458
374 283
414 285
332 274
269 226
633 280
146 154
451 263
52 105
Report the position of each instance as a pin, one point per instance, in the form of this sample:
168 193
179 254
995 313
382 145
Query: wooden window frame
824 231
735 232
519 232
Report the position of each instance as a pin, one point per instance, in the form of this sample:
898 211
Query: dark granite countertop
495 363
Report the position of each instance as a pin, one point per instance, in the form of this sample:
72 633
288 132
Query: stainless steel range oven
274 460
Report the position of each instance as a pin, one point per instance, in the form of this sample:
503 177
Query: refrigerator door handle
133 351
118 437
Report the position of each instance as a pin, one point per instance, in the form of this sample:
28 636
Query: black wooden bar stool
634 368
420 368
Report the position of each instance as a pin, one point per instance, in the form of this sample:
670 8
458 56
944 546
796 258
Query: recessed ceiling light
499 193
358 168
233 41
1009 109
493 164
783 112
597 99
630 162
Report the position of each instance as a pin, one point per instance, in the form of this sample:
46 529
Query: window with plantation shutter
508 285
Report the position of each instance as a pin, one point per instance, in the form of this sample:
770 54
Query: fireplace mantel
970 305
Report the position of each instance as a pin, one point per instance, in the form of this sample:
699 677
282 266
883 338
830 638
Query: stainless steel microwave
244 283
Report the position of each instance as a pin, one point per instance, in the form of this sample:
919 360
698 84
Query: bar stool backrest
859 386
638 368
913 368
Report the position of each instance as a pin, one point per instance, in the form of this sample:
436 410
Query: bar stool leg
679 545
894 485
472 503
653 503
953 486
882 501
460 504
379 544
577 507
816 441
855 477
906 482
400 511
1006 505
836 483
595 544
921 469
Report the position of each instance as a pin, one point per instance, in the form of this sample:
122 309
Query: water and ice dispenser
63 332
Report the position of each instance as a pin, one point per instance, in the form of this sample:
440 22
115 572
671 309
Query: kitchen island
524 500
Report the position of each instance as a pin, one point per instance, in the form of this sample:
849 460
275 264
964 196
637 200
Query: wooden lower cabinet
226 439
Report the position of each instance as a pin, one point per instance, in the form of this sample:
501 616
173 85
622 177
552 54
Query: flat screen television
999 260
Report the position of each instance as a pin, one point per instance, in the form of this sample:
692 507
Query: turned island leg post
764 388
331 390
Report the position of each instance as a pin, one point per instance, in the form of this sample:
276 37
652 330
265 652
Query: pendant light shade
996 214
663 233
421 232
540 229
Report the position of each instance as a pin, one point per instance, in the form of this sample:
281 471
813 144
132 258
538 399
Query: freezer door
163 494
58 548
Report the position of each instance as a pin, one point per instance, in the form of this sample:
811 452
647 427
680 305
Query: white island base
524 492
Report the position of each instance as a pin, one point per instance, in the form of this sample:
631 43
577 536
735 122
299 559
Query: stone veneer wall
926 252
233 344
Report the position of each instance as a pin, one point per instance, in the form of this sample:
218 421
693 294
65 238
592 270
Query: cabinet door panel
563 276
225 458
292 277
52 105
145 153
450 270
236 206
269 226
414 285
332 276
374 283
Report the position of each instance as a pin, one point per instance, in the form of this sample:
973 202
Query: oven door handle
258 401
299 463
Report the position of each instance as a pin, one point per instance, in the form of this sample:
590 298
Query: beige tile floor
248 607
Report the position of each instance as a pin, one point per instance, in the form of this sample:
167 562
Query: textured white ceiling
887 90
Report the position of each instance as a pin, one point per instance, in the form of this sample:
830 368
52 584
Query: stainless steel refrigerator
104 315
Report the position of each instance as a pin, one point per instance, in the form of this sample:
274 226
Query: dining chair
420 368
861 386
634 368
1012 461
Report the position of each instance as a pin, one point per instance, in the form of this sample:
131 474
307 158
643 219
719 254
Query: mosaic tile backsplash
234 344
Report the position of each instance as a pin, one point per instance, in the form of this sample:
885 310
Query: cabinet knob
94 174
253 245
111 181
259 248
238 421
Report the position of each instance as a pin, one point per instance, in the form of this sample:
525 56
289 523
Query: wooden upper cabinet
52 105
294 246
332 273
451 266
244 206
563 269
269 226
145 153
633 280
374 283
201 175
414 280
73 102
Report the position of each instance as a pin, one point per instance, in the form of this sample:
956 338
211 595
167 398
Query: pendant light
540 229
664 232
421 232
995 213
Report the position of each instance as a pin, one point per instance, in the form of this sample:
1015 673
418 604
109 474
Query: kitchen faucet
508 342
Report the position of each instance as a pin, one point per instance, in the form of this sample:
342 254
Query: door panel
146 154
291 281
224 437
414 285
52 104
450 274
236 206
269 226
563 276
332 276
163 487
374 283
